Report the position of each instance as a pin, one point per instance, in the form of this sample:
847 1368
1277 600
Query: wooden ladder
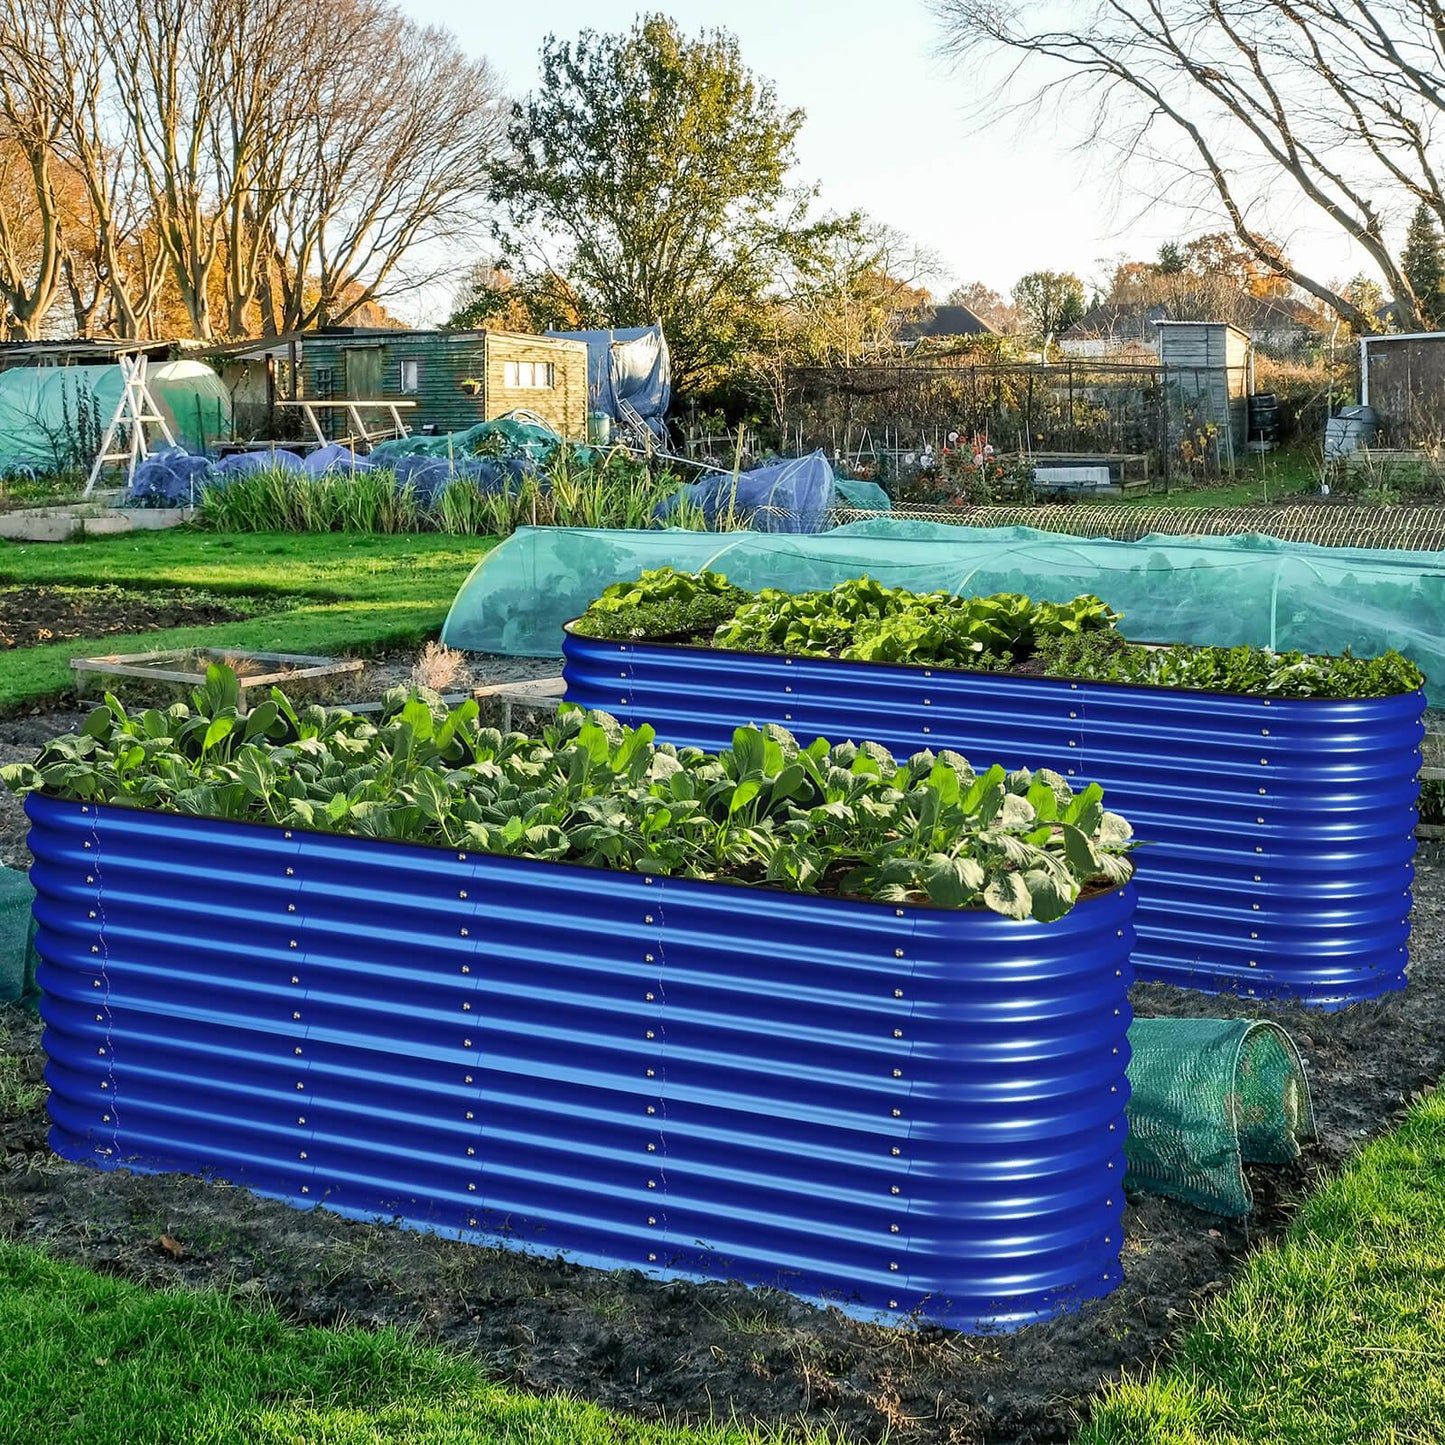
135 411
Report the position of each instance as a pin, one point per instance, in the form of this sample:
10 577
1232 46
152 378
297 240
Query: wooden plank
541 687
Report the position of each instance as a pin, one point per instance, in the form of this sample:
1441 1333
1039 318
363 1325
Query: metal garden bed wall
1280 832
892 1109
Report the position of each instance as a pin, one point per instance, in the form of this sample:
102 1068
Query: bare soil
696 1351
33 615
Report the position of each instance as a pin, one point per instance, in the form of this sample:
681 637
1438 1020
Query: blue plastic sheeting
893 1109
1280 833
1172 589
241 464
786 496
168 477
336 458
630 364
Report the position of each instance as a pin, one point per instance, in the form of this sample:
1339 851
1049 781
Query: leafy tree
1048 302
650 171
1423 262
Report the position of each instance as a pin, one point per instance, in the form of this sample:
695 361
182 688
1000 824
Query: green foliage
1251 670
572 487
662 603
839 819
1432 800
659 164
1048 303
1423 264
869 622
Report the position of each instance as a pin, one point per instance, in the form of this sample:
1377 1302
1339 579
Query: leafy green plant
1432 800
1251 670
864 620
662 603
845 819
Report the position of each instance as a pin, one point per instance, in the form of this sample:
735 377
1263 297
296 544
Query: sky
886 133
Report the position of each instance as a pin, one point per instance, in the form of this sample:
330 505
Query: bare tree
399 129
1329 102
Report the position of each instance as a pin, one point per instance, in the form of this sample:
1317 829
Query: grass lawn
85 1359
1334 1337
1261 478
367 591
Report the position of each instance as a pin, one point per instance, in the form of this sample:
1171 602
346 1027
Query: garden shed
1207 374
454 379
1403 379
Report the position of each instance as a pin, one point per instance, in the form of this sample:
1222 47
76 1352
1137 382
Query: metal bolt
294 979
461 857
293 943
95 983
650 1034
898 1113
647 918
897 1033
651 1073
302 1154
895 1151
470 1152
649 997
95 948
105 1118
897 993
652 1148
89 878
92 913
652 1184
892 1264
306 1189
898 1073
466 968
298 1051
466 1044
894 1189
470 1115
462 893
928 729
472 1222
301 1118
471 1188
652 1259
652 1219
290 872
464 933
466 1008
893 1229
897 953
104 1085
299 1087
648 958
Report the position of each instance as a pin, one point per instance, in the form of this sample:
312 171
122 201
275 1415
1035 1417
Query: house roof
941 321
1137 323
1129 323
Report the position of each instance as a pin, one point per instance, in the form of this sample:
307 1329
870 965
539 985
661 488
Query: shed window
410 377
528 375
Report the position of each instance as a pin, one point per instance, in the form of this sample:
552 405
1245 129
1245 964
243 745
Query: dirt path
694 1351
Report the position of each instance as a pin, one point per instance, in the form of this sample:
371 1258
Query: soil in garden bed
30 616
699 1350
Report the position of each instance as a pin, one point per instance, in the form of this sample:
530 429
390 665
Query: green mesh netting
1203 590
517 438
17 936
1207 1097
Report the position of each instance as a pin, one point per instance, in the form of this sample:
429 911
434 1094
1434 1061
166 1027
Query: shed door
364 366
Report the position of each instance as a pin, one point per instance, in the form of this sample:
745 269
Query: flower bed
889 1104
1280 828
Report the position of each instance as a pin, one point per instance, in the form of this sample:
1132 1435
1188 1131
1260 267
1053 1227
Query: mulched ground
33 615
700 1350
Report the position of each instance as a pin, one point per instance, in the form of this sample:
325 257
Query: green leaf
1007 893
743 794
218 732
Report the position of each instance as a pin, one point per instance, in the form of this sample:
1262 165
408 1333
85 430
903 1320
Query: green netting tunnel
17 937
54 416
1207 1097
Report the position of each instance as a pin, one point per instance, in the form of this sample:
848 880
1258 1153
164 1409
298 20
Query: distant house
1109 330
942 324
454 379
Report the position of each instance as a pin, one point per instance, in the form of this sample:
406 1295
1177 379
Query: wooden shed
1207 374
454 379
1403 379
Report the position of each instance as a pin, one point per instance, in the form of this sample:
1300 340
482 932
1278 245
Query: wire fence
1325 523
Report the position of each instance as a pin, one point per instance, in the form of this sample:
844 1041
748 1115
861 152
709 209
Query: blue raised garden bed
1280 832
891 1109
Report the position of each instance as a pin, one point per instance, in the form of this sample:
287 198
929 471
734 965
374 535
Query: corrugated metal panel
1281 832
890 1108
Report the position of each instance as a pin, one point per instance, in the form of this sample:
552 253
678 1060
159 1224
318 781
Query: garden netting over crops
17 936
1208 1096
1202 590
